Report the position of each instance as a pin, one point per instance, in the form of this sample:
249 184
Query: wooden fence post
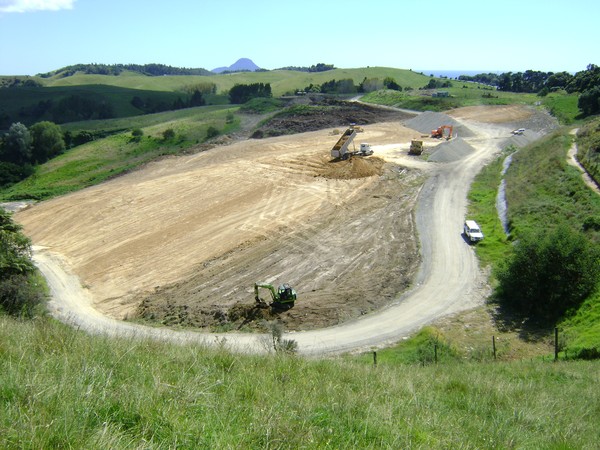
556 344
374 359
494 345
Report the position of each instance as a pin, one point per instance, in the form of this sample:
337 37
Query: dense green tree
321 67
589 101
549 273
390 83
48 141
15 248
136 134
18 294
197 99
241 93
212 132
17 144
558 80
168 134
345 86
11 173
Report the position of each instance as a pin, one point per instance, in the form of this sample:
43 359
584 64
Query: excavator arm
271 289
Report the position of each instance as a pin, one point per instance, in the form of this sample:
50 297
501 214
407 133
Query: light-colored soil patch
183 240
493 114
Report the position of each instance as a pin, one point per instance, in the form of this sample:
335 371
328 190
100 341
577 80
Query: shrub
549 273
212 132
19 296
168 134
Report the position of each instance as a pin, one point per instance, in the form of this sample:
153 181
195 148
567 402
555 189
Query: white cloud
21 6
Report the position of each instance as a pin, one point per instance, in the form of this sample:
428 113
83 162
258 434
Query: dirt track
185 239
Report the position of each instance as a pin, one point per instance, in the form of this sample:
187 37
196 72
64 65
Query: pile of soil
322 114
452 150
355 167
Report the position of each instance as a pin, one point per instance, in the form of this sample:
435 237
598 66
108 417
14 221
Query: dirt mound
321 114
355 167
452 150
429 120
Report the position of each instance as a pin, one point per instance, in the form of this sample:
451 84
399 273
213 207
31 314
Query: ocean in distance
454 73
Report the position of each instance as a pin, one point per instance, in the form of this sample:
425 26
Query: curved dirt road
449 279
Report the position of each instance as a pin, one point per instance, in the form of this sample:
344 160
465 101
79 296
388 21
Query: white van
472 231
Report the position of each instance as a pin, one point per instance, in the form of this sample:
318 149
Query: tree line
22 148
585 82
81 107
152 70
347 86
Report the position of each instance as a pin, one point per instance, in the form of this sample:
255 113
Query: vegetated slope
588 142
63 104
540 203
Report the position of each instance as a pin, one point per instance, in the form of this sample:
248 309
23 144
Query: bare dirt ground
182 241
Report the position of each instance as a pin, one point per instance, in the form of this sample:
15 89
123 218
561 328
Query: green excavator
283 298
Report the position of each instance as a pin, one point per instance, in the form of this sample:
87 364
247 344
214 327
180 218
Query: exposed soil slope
184 240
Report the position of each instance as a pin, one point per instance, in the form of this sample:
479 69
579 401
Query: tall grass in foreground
63 388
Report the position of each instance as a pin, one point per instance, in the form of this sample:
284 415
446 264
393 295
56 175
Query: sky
38 36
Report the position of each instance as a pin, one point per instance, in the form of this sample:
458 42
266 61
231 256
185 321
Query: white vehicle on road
472 231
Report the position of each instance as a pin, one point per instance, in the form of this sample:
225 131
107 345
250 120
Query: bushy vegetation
241 93
588 143
550 272
22 148
20 293
586 83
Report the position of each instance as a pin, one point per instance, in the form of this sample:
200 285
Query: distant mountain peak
242 64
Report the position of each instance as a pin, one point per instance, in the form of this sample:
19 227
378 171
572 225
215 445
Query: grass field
63 388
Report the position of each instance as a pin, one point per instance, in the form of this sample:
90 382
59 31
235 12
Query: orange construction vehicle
441 132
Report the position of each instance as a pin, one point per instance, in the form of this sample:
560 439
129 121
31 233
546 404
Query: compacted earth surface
182 241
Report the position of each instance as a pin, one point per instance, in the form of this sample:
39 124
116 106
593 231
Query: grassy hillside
541 203
63 388
96 161
588 143
282 81
34 104
111 96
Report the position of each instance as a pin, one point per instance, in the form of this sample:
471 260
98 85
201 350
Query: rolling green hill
282 81
83 97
